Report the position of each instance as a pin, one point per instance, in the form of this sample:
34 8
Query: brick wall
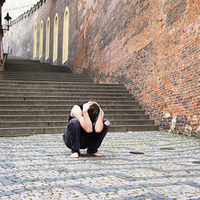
150 46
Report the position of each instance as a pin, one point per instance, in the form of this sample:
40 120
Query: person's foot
94 154
74 155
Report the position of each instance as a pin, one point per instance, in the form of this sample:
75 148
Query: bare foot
74 155
94 154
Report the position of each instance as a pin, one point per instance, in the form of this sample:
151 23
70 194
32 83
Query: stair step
65 117
46 78
36 75
63 112
72 101
59 83
25 131
21 88
64 107
33 124
134 128
66 97
45 123
36 98
53 77
42 92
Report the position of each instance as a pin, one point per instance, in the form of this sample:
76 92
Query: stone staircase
36 98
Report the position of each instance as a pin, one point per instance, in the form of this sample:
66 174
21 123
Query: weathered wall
19 41
151 46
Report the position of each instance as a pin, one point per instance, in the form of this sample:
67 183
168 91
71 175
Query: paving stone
40 167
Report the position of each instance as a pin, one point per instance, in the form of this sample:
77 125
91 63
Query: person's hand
86 106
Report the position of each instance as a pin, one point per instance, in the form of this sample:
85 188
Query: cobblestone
40 167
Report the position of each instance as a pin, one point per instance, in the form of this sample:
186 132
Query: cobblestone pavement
40 167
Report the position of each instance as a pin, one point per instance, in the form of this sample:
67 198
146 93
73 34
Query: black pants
76 138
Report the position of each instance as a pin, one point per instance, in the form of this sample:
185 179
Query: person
86 129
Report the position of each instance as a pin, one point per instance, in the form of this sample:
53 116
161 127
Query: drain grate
167 148
136 152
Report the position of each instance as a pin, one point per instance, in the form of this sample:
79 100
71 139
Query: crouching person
86 129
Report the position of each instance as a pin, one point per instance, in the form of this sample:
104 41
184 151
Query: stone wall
150 46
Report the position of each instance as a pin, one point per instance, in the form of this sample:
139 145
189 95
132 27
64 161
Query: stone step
53 78
64 112
36 98
60 95
65 117
59 83
40 96
92 88
125 128
39 91
25 131
31 65
72 101
43 75
34 67
36 76
68 87
66 107
8 124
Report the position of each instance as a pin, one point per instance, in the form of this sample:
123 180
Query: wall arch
47 38
55 39
35 41
41 39
65 35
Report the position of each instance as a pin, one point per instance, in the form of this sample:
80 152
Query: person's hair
93 111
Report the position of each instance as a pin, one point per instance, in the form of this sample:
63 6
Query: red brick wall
150 46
